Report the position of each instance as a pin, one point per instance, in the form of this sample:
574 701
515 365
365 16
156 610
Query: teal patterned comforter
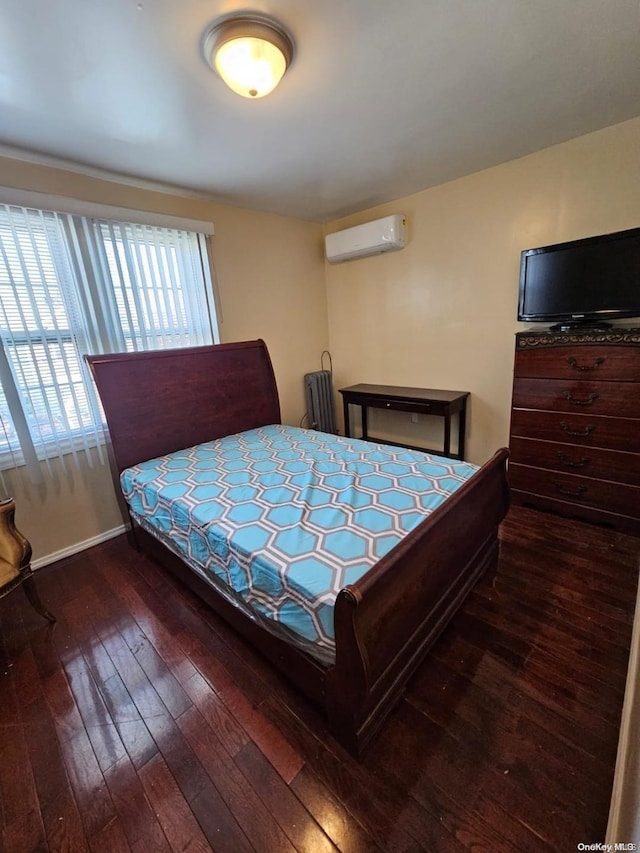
287 517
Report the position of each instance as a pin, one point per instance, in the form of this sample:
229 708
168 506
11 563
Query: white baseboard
77 547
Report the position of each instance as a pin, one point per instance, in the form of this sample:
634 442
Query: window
71 285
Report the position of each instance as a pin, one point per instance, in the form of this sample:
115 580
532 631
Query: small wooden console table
420 401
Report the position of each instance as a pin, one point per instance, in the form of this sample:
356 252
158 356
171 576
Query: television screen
582 282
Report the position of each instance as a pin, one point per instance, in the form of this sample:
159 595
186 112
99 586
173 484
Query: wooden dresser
575 425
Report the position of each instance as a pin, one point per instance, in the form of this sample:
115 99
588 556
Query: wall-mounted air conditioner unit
372 238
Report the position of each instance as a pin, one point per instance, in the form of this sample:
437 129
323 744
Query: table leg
365 434
462 429
447 434
347 425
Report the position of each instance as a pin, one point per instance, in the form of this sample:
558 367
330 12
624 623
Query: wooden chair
15 560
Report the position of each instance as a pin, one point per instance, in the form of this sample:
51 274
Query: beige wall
271 284
441 312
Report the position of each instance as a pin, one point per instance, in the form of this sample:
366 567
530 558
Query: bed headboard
161 401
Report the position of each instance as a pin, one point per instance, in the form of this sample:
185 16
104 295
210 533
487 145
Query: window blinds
71 285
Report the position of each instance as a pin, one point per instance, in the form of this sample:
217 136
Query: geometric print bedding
286 517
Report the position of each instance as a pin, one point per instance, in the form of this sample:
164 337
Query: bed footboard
387 621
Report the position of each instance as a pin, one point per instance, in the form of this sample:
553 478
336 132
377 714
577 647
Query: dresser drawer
600 494
616 399
580 429
570 459
580 362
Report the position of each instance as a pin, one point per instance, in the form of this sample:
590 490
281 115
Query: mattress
283 518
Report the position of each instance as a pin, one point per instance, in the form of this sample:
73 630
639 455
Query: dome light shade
250 52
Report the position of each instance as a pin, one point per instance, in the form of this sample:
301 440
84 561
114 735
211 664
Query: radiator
320 403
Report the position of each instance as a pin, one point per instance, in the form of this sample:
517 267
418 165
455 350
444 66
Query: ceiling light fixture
251 52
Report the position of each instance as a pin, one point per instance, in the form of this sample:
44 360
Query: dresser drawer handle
577 493
572 362
566 461
583 432
569 396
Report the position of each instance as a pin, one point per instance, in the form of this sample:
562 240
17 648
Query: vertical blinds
71 285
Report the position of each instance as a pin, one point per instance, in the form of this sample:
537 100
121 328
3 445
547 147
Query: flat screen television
582 283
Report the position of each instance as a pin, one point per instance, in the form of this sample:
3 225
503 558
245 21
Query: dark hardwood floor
141 722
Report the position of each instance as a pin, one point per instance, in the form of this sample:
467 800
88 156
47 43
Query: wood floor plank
25 833
217 822
152 614
178 754
87 783
208 640
132 731
576 604
215 712
44 651
345 831
505 830
25 672
84 773
301 829
549 633
9 704
81 616
451 776
141 722
155 714
165 684
277 749
206 664
103 734
111 718
142 693
174 815
19 686
393 820
139 823
110 839
62 821
470 633
596 571
251 814
17 787
122 608
445 696
499 739
269 739
6 634
595 755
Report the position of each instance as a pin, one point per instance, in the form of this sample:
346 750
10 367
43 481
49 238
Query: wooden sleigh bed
164 401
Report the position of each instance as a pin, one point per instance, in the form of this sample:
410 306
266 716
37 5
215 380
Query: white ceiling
383 98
